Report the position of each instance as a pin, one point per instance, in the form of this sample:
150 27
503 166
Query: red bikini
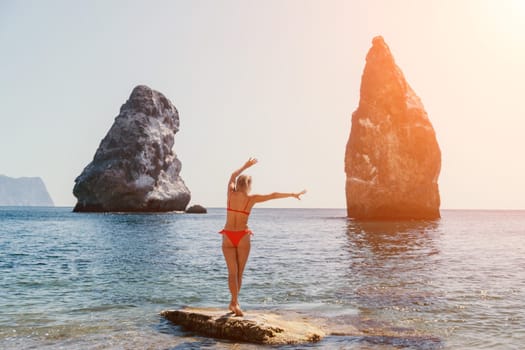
239 211
236 236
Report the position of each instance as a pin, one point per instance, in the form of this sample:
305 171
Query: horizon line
273 208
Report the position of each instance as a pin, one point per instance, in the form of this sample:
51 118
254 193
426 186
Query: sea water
99 281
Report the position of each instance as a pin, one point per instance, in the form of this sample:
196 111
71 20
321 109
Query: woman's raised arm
231 184
258 198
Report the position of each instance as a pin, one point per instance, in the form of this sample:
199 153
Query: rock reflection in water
390 269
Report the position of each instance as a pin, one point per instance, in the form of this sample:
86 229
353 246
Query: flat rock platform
260 327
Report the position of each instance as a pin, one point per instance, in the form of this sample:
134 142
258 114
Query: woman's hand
236 173
250 162
298 195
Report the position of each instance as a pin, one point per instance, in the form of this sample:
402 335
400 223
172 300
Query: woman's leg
230 255
243 251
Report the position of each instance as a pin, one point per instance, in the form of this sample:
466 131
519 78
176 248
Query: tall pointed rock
135 168
392 159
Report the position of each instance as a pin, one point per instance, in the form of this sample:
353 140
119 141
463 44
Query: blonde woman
236 234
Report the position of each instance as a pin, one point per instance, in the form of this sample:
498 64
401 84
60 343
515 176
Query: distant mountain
24 191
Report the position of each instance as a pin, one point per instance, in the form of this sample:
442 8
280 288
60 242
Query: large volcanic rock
134 168
392 160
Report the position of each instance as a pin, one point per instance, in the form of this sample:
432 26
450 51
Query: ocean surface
99 281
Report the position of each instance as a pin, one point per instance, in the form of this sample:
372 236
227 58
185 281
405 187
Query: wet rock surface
258 327
290 327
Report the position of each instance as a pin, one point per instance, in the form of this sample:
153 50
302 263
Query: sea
98 281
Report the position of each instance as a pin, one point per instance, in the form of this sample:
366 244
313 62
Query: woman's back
238 211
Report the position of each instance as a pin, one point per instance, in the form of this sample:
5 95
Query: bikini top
239 211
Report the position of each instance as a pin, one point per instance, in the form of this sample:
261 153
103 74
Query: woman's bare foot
236 309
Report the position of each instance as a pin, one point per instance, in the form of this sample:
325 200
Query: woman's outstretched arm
236 173
258 198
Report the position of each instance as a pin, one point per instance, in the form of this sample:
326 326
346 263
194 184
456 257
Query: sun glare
508 14
500 24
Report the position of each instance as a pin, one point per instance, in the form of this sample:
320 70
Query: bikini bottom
236 236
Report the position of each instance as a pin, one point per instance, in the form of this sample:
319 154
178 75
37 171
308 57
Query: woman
236 234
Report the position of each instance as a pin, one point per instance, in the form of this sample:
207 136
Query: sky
274 79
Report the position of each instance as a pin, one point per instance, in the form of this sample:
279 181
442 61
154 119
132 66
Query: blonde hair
243 183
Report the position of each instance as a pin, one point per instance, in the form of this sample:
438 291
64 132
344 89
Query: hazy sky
278 80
